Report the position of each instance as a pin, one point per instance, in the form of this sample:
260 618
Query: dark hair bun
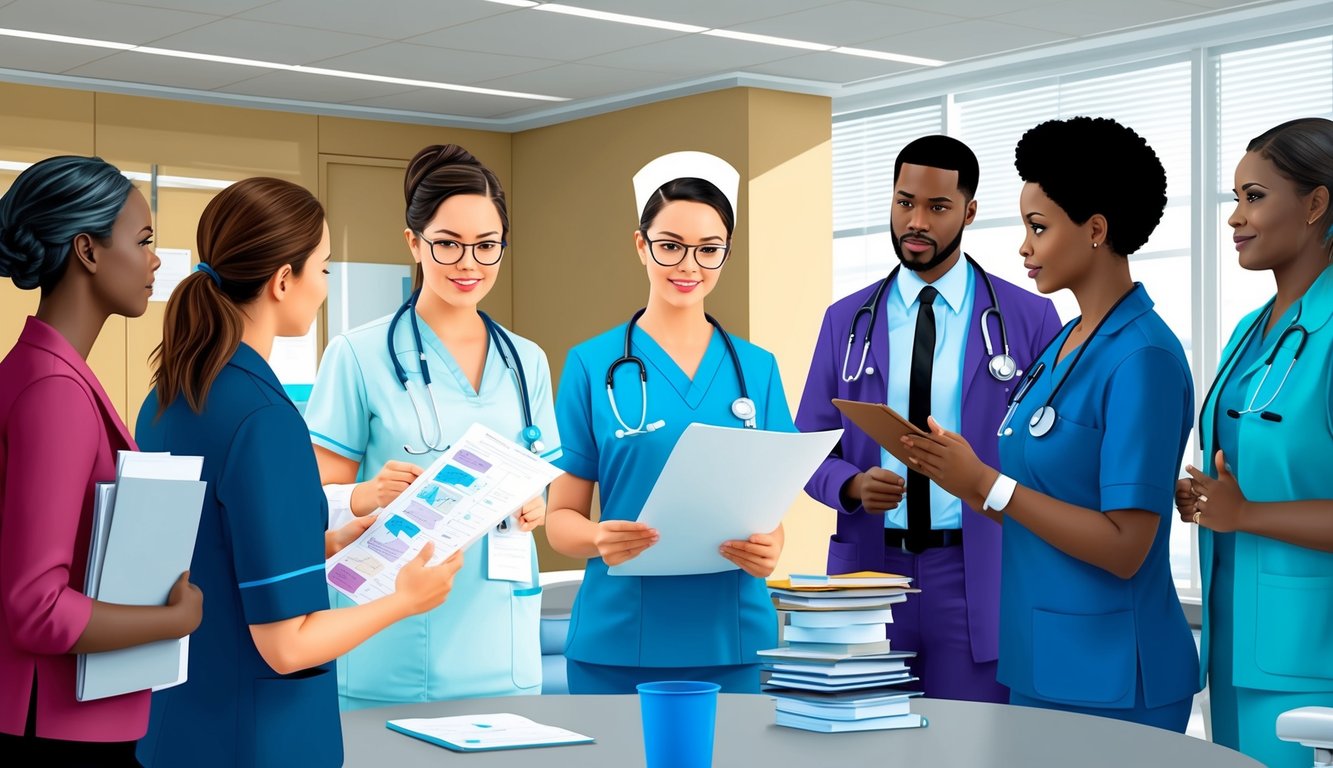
433 158
26 259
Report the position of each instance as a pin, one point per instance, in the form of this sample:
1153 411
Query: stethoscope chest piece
744 409
1003 367
1042 421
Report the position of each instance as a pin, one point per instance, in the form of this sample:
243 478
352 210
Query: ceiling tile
306 87
581 81
406 19
423 62
695 56
267 42
1221 4
440 102
704 13
830 68
41 56
98 20
1091 17
215 7
970 9
846 23
555 35
161 70
965 40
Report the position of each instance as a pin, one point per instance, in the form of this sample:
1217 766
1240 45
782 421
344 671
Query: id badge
509 553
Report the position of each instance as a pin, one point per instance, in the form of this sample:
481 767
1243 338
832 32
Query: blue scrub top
1071 632
359 410
259 558
660 621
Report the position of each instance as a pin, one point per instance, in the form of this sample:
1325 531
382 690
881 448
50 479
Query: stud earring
1094 245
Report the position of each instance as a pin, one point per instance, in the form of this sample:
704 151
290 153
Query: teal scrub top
1070 632
259 558
660 621
1283 594
485 639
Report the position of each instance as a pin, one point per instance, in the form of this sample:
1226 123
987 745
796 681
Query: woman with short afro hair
1089 617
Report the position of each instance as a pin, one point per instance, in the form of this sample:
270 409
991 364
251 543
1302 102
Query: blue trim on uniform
552 452
328 439
288 575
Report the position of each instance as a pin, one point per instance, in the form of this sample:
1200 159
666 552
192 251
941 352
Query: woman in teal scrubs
620 420
1264 499
1089 617
260 691
375 423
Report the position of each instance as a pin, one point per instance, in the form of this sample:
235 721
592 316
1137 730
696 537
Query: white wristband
1001 491
340 504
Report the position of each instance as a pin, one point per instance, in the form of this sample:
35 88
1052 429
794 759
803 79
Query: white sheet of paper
720 484
509 554
482 479
484 732
175 268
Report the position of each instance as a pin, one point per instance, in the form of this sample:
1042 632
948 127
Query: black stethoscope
742 407
530 434
1002 366
1228 367
1043 419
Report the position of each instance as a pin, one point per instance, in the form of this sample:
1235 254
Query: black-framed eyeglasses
669 253
447 252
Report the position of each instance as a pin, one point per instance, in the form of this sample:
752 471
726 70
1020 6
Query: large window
1188 266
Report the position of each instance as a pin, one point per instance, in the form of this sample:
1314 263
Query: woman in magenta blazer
75 228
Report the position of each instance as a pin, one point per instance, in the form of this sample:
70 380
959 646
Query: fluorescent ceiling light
641 21
519 3
177 54
869 54
768 40
65 39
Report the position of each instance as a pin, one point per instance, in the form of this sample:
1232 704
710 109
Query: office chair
1311 726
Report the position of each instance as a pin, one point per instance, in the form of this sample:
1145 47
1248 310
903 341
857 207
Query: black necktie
918 408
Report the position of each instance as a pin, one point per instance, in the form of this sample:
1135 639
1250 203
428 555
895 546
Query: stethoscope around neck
531 434
742 408
1229 368
1002 366
1043 419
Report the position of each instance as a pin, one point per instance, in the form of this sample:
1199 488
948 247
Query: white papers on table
721 484
478 733
482 479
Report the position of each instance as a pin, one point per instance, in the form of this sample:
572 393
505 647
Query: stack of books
834 670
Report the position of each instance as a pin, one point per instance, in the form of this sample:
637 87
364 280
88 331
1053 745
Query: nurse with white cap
625 398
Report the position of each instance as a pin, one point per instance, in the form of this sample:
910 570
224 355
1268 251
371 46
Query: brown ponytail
246 234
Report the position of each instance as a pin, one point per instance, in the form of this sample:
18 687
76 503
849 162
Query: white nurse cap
683 165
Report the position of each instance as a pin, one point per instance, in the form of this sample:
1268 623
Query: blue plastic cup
678 721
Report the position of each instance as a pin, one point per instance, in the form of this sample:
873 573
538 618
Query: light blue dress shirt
953 316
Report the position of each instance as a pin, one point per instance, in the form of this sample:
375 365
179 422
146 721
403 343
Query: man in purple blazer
946 361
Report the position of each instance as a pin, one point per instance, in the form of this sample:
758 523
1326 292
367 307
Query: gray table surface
963 734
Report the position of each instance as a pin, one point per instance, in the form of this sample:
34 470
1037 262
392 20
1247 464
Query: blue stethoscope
1228 367
1043 419
1002 366
742 407
530 434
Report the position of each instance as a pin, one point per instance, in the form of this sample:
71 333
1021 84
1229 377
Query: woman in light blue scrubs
1264 500
625 398
260 691
1089 617
374 422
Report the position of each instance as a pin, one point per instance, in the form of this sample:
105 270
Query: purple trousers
934 624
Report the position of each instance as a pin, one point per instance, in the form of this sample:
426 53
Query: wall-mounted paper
175 267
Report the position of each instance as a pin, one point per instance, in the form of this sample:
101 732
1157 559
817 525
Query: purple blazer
59 435
859 543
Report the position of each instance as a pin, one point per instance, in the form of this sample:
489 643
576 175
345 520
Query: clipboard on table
883 424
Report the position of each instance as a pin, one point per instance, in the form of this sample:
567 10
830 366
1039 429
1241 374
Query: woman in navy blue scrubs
261 690
1089 617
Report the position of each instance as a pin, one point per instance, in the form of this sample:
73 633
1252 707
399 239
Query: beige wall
576 273
571 272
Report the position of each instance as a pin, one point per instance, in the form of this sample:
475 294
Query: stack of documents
144 527
835 671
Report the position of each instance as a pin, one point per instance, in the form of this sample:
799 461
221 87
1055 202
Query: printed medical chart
478 482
